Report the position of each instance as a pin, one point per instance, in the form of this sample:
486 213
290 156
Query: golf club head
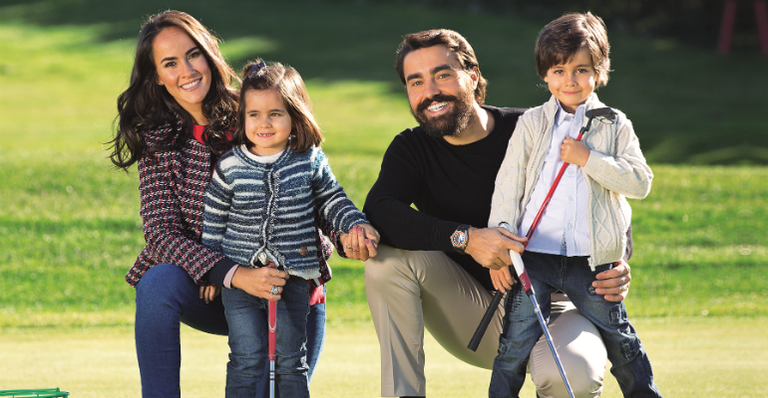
605 114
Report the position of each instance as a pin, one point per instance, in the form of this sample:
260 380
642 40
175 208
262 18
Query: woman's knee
165 286
163 279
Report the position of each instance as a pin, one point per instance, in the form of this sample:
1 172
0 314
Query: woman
174 120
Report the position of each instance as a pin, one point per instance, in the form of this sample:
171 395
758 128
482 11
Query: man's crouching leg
581 352
394 298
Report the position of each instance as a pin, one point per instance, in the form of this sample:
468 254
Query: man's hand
614 283
490 246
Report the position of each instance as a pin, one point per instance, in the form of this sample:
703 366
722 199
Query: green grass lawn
691 357
69 225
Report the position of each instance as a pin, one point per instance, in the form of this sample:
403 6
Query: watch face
458 238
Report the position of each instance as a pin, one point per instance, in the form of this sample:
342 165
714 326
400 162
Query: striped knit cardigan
172 187
258 212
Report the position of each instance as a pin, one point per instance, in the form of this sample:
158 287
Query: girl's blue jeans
247 318
166 297
573 276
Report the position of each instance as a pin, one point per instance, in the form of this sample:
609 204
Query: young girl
584 228
259 210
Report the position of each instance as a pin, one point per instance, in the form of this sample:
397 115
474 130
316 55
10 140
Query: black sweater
449 184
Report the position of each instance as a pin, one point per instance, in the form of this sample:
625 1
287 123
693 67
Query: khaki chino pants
408 290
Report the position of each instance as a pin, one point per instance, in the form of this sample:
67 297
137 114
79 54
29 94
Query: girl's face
573 82
182 69
267 121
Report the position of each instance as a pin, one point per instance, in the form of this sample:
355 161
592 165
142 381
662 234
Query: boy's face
572 83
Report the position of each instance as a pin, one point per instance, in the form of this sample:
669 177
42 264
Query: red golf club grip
272 325
272 329
544 204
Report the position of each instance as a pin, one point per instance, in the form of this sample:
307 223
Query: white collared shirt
563 228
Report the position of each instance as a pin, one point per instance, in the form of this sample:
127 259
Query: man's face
440 92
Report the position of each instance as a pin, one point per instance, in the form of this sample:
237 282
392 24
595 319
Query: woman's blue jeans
572 275
166 297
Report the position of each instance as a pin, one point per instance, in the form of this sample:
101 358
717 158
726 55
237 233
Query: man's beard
449 124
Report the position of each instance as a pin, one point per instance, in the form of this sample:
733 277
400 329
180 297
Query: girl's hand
260 281
502 279
208 293
361 242
574 152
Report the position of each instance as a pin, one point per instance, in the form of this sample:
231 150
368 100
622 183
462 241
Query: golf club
271 353
522 276
606 114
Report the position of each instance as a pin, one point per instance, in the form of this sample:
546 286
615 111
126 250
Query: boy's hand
502 279
574 152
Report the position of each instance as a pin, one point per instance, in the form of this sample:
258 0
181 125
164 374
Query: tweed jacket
616 169
172 187
258 212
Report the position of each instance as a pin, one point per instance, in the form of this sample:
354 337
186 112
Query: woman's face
183 70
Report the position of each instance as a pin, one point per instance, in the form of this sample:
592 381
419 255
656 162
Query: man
432 268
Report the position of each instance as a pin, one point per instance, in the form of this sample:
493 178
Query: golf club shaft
525 281
272 348
551 344
486 320
272 344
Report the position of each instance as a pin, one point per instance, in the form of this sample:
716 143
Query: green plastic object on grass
38 393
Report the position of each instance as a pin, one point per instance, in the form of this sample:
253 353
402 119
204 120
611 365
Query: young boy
583 230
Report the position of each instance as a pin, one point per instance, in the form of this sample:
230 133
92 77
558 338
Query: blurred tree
692 21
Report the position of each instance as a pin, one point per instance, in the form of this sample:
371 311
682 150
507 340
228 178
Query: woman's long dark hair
145 104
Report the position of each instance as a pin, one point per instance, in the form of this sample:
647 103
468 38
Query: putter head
605 114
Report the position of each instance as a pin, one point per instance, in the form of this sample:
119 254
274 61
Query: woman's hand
614 283
361 242
502 279
260 281
208 293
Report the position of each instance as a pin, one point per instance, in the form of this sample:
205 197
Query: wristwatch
460 238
